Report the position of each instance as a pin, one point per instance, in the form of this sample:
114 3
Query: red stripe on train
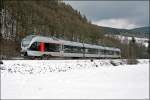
42 46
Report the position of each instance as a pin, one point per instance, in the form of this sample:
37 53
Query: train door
61 50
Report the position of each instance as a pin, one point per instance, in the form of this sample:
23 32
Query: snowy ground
74 79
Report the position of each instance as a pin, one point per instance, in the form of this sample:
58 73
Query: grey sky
118 14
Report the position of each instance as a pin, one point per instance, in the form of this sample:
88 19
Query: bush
132 61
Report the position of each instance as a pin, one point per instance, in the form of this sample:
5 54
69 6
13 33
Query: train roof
70 43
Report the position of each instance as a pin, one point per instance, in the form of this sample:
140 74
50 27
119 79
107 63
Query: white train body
61 48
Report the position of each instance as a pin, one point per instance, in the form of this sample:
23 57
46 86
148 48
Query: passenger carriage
36 46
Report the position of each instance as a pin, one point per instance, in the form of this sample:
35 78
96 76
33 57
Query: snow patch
74 79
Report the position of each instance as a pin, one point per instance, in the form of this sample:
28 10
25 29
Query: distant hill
142 30
137 32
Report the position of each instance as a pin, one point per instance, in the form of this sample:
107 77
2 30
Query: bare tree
131 52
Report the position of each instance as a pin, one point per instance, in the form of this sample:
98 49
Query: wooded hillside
50 18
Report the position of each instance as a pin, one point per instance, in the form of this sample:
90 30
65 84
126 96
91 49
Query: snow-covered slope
76 79
127 39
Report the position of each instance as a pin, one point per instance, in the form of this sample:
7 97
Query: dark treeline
51 18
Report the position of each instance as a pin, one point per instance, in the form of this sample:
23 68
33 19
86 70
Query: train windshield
27 40
29 37
25 43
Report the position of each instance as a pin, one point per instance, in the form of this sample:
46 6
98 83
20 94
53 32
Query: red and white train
36 46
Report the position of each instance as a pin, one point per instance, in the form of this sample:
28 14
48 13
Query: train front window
29 38
25 43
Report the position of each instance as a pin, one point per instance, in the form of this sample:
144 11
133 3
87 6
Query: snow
74 79
143 41
126 39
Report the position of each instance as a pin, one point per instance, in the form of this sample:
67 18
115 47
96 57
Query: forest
53 18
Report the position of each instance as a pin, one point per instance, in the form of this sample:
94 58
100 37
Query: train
43 47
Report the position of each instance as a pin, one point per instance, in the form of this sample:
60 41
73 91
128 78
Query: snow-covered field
74 79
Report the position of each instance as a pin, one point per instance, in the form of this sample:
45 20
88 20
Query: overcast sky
116 14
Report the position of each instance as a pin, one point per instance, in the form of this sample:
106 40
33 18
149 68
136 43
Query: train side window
52 47
113 52
110 52
34 46
67 49
46 46
117 53
77 49
73 49
102 51
92 51
105 51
